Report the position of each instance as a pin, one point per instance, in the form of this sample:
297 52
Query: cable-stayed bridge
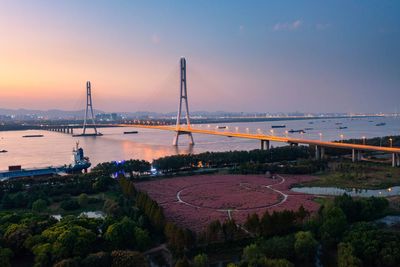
188 129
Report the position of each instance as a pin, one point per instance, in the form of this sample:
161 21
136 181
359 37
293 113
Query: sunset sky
264 56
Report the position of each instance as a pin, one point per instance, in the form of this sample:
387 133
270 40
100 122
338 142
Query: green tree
70 204
251 254
182 263
265 262
121 234
252 223
346 257
83 200
43 254
142 238
5 257
333 226
39 205
278 247
126 258
305 246
67 263
15 236
99 259
200 260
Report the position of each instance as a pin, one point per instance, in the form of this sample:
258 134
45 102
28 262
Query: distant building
108 117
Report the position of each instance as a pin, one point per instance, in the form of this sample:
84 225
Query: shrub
70 205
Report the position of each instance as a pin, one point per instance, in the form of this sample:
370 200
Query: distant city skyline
243 56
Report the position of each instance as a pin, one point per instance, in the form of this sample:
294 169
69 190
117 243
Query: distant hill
50 114
54 114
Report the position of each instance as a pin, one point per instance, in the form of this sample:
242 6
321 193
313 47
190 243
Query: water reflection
355 192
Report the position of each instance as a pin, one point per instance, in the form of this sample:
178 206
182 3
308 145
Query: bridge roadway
273 138
266 139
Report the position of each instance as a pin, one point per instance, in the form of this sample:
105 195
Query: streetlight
341 138
363 138
272 131
391 142
320 136
286 133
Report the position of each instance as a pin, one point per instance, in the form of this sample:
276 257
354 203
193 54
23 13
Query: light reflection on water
55 148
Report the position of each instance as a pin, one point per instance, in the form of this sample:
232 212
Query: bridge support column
359 155
264 144
317 153
72 130
322 152
353 155
394 160
178 133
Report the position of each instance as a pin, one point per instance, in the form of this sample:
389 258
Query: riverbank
359 175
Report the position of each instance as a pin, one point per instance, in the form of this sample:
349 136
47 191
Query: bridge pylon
183 98
89 115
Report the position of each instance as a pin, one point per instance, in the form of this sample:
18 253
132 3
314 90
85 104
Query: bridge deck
273 138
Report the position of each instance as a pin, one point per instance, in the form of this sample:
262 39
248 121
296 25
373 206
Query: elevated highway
266 139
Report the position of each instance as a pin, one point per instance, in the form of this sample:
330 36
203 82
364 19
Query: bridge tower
183 98
89 111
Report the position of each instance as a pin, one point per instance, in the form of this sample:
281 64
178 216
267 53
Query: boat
32 135
87 134
296 131
131 132
308 129
339 123
278 126
380 124
222 127
3 151
342 127
79 163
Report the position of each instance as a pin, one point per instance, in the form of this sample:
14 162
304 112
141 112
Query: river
56 148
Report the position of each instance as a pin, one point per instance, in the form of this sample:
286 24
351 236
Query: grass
357 175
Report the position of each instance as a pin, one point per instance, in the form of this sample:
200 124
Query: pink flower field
195 201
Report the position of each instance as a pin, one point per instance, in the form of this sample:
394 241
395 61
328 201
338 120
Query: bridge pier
264 144
359 155
178 133
317 153
353 155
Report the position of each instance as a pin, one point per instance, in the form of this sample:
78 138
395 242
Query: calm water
335 191
55 148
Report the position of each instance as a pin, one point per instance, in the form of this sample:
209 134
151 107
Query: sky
250 56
